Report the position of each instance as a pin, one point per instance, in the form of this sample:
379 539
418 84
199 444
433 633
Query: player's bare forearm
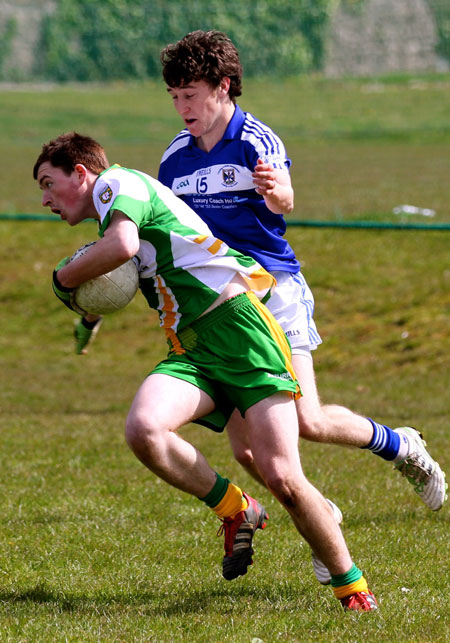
281 202
120 243
275 187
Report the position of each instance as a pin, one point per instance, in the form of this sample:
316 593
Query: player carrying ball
209 298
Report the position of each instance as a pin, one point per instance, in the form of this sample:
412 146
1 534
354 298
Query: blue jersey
218 185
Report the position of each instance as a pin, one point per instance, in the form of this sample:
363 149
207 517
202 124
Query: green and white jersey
183 268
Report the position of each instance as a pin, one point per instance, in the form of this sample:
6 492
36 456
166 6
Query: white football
107 293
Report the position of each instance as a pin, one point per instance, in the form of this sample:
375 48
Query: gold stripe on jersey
169 315
175 343
260 281
214 247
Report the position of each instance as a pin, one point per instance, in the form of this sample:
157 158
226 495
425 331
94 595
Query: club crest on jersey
106 195
228 176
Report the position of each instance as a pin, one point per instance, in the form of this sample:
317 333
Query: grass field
358 148
95 548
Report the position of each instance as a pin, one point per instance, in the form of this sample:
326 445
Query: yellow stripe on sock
347 590
232 503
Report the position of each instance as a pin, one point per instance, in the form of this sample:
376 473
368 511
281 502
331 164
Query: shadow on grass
153 603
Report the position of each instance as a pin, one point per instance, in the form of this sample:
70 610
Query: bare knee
285 490
237 434
244 456
312 427
142 434
284 478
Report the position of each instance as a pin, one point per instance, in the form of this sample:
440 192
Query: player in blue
233 170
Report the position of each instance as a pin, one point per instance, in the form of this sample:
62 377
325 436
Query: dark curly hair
203 55
69 149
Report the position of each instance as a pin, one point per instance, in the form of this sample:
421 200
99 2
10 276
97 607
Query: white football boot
320 569
421 470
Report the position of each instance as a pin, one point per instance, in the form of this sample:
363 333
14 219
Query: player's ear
81 172
224 86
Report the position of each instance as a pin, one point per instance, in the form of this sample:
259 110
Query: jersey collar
236 123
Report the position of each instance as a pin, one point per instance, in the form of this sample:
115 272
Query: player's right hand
85 332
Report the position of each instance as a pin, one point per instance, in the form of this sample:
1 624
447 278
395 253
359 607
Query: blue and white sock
386 443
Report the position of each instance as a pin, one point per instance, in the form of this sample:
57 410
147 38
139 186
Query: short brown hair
67 150
203 55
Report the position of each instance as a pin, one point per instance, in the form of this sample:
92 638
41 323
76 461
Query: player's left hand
63 293
264 178
85 332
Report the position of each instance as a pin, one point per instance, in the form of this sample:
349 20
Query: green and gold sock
349 583
225 498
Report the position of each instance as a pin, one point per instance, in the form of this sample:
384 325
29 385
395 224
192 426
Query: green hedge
122 39
441 12
8 31
103 40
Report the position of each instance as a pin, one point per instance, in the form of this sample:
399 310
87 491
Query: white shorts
292 305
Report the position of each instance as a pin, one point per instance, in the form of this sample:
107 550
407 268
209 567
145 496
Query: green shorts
238 354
